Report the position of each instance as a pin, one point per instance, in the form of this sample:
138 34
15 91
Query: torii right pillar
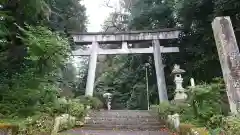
161 83
229 58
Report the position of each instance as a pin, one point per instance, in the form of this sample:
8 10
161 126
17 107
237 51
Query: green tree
67 15
198 53
31 55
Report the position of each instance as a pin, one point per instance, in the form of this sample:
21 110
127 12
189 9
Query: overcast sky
97 12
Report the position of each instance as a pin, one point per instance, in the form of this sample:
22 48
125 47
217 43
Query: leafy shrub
205 106
215 122
67 122
216 131
76 109
199 131
37 125
24 90
185 129
94 102
165 109
231 125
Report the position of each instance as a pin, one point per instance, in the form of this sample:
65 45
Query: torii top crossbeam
100 37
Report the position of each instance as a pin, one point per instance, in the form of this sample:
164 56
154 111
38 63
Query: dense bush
206 106
166 109
207 101
215 122
76 109
23 93
231 125
185 129
37 125
94 102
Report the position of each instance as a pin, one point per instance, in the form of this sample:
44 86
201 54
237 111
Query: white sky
97 12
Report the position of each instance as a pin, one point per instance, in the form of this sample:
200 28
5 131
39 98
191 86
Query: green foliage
125 78
200 131
67 15
32 56
215 122
42 122
93 102
76 109
231 125
38 124
204 107
185 129
196 41
45 48
207 101
166 109
24 92
188 129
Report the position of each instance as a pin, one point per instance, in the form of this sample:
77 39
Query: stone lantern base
180 95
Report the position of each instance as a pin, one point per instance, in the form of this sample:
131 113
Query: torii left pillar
92 69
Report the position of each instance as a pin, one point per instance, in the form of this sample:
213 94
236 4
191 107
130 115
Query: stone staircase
121 122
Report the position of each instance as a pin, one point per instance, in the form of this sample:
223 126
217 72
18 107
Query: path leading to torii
120 122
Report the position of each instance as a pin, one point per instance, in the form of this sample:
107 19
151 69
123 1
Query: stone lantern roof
177 70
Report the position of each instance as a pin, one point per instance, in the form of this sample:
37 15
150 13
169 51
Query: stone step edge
122 129
124 126
126 119
140 120
144 123
112 129
131 117
117 116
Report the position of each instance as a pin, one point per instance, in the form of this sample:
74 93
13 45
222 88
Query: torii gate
124 38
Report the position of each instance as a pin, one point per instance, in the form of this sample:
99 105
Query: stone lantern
108 97
179 91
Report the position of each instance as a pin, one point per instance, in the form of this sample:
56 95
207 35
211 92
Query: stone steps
125 123
122 114
122 127
112 132
121 122
123 119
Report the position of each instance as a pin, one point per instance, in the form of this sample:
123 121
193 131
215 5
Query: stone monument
228 53
179 91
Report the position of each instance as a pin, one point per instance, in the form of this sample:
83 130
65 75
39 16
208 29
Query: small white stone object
174 120
192 82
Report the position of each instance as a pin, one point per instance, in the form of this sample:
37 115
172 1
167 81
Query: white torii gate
124 38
